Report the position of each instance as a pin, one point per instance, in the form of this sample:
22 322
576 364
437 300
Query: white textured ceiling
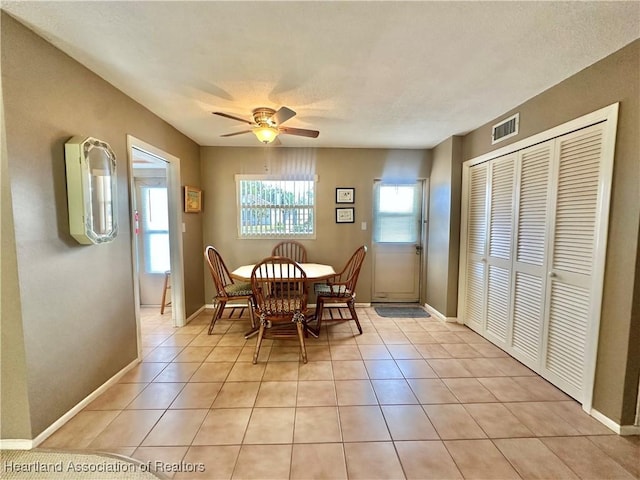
365 74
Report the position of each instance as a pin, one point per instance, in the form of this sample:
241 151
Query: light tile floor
410 398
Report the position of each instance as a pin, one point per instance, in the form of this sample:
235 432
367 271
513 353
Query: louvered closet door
572 253
474 300
501 208
529 266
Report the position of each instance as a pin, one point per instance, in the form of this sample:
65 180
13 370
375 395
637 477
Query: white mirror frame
84 212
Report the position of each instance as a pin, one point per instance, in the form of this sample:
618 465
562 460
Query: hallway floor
410 398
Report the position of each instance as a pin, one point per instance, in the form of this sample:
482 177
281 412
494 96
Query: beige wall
614 79
76 302
15 422
335 167
444 227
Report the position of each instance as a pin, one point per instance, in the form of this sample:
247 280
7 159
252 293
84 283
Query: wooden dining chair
290 249
278 285
226 288
341 288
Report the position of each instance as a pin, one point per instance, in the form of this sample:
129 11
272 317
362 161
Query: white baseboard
619 429
435 313
16 444
23 444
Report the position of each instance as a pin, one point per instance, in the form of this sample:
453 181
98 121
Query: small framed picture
345 215
192 199
345 195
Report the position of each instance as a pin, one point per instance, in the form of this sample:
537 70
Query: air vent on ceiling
505 129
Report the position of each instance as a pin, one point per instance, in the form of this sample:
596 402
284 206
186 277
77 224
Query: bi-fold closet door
531 281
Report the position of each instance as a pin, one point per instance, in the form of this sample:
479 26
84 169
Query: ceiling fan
267 123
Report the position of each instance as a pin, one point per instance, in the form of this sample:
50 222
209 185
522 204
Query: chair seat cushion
238 289
279 305
325 290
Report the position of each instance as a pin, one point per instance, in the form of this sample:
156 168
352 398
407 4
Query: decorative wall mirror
91 190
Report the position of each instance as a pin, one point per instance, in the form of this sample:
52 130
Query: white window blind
396 207
275 207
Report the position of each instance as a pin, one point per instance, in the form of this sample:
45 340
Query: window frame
277 178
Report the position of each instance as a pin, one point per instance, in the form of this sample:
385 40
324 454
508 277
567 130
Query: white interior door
153 237
499 240
529 263
475 211
571 302
397 241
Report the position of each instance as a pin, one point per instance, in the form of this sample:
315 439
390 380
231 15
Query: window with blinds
397 213
270 207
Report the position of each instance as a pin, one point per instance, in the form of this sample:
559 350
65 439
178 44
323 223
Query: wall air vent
505 129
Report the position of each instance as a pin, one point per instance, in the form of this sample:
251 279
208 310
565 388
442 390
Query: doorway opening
398 241
156 219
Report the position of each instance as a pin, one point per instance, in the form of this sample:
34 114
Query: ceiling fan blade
282 115
226 115
302 132
236 133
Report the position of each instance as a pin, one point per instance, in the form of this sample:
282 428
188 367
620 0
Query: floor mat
402 312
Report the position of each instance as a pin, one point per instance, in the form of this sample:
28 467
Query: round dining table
313 271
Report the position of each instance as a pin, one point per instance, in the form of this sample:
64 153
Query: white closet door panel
475 295
572 256
528 309
501 208
477 216
498 287
533 204
579 157
529 272
475 271
567 334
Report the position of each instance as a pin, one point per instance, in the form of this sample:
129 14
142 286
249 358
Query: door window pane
397 214
155 223
158 256
156 208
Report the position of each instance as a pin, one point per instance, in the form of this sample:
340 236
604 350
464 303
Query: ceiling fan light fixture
265 133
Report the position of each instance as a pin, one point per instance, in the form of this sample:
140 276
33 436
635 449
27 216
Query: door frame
174 195
424 204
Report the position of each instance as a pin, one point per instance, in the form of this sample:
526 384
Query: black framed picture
345 195
345 215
